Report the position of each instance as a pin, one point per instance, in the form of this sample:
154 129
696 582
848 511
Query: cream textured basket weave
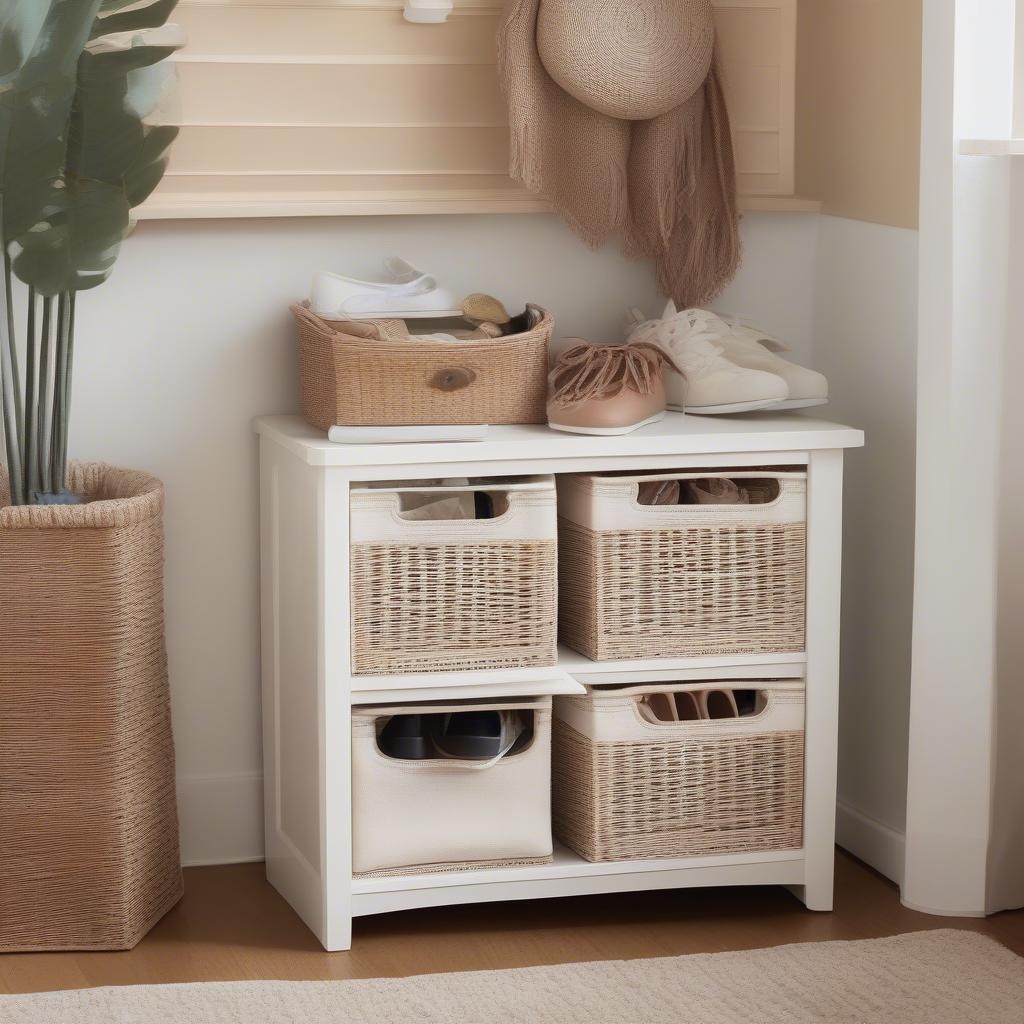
454 595
642 581
414 817
625 788
354 381
88 818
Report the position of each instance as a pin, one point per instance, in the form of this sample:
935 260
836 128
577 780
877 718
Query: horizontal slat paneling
300 101
341 150
341 94
323 184
461 7
276 32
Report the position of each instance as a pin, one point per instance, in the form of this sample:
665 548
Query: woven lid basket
352 381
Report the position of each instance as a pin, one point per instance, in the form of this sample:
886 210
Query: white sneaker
711 384
407 293
746 345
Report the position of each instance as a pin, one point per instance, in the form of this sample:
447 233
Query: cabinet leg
824 555
816 894
339 935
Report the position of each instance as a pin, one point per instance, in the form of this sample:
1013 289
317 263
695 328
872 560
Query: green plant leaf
78 81
108 6
77 247
21 22
99 66
103 135
116 89
81 154
153 15
34 113
149 88
144 173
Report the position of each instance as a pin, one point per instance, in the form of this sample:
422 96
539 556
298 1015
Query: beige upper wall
859 107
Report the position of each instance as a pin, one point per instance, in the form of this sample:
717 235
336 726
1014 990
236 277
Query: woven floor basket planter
643 581
624 788
88 819
455 595
352 381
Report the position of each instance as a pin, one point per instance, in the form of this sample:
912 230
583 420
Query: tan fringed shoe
607 389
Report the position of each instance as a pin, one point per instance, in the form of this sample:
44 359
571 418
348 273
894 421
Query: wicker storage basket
451 595
412 817
641 581
354 381
88 819
625 788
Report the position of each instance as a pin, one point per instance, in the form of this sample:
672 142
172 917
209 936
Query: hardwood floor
233 925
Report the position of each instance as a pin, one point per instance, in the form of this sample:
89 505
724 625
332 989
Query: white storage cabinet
310 686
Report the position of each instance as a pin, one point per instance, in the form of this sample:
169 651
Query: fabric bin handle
538 707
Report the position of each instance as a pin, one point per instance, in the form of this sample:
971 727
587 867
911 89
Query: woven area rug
935 977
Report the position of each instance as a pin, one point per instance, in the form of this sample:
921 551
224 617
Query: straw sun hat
618 119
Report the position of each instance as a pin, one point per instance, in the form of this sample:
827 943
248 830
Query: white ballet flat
407 293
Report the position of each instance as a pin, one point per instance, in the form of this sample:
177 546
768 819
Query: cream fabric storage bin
411 817
625 788
641 581
454 595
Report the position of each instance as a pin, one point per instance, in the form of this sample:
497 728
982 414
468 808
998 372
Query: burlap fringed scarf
618 119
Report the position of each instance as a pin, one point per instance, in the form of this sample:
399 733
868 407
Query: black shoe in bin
473 735
405 738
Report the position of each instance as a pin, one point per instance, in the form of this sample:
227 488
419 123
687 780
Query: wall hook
427 12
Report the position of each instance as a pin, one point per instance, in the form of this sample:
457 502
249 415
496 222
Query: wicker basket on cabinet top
625 788
642 581
352 381
459 594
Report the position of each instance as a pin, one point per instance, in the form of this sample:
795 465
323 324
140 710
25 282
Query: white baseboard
221 818
873 842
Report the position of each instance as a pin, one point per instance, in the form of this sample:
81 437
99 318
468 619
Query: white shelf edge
701 440
572 670
570 875
227 206
718 666
567 864
992 147
464 691
486 680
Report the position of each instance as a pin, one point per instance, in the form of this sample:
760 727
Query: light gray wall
865 341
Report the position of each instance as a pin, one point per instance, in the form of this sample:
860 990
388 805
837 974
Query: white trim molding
879 845
221 818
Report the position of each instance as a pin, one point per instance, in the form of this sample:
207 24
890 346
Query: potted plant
88 820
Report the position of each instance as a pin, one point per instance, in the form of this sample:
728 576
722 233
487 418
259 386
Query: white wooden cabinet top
676 434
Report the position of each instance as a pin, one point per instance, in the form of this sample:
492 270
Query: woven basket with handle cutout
352 381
